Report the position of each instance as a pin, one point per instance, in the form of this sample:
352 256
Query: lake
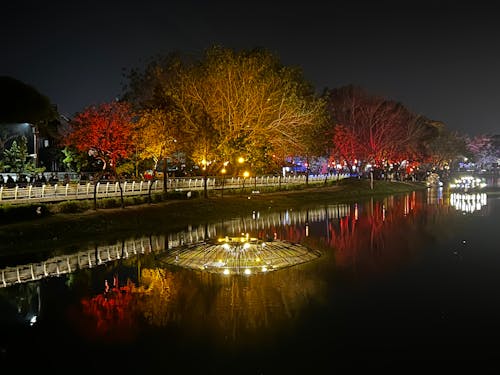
403 283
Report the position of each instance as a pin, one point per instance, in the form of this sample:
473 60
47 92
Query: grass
65 229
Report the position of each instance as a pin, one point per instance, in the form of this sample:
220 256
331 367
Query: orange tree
246 104
104 132
155 137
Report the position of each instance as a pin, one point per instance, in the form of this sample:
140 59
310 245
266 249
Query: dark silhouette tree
20 102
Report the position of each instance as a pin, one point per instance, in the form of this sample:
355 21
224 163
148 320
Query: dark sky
441 59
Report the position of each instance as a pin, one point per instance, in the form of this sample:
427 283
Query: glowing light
468 182
264 269
247 271
226 271
468 203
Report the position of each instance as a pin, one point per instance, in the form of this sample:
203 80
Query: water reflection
341 222
131 294
227 307
468 203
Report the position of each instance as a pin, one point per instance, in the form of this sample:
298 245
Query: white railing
72 191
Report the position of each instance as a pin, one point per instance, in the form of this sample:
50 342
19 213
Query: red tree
374 130
104 132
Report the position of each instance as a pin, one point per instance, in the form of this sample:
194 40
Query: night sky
441 59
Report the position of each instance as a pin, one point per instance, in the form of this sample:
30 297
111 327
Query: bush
71 207
109 203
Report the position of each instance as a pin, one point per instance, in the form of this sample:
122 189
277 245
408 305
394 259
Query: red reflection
374 235
108 315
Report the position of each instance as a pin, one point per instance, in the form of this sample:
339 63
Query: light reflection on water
378 286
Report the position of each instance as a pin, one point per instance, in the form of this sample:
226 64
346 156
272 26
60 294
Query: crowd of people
11 180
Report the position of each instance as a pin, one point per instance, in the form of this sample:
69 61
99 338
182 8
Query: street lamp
223 172
35 132
246 174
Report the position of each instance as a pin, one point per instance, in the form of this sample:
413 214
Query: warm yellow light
246 174
247 271
223 170
226 271
241 159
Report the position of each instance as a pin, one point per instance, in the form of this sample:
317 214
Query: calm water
403 283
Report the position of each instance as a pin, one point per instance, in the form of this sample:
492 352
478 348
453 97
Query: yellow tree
155 138
245 104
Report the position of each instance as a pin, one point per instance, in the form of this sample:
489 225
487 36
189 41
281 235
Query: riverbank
63 230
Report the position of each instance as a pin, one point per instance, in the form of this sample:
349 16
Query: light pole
223 172
34 129
245 175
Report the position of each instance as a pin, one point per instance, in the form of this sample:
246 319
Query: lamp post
34 128
223 172
246 174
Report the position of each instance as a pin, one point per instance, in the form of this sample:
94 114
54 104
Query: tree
104 132
21 103
246 103
447 148
155 137
16 158
483 150
231 104
372 129
149 91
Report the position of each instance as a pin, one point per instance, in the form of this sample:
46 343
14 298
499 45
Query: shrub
71 207
109 203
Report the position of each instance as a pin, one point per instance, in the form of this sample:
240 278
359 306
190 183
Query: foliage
23 103
483 150
103 132
16 159
231 104
156 135
375 130
446 148
74 160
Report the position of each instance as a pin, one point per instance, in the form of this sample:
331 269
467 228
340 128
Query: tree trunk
165 175
122 202
117 178
95 194
149 191
205 186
